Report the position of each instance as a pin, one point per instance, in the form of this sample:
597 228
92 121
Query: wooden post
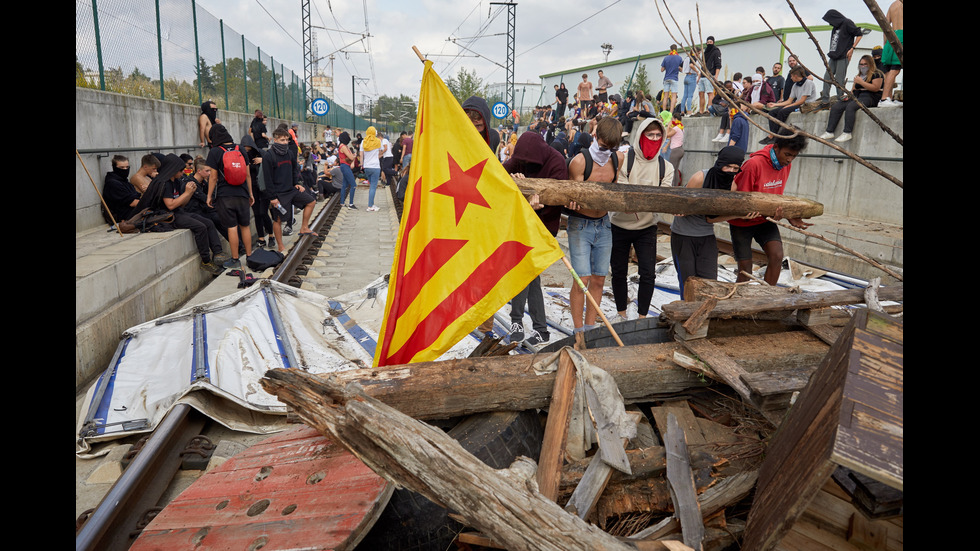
591 300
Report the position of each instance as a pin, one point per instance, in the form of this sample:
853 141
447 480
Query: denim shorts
670 86
704 85
590 245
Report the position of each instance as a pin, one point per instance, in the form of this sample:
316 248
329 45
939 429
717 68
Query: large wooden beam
672 200
439 390
679 311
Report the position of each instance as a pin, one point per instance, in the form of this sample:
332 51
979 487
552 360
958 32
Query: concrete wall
862 210
106 122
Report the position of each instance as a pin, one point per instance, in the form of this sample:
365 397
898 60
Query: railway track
133 501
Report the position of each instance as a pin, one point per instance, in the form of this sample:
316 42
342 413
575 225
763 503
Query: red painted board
294 490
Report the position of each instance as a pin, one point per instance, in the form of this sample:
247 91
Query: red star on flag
462 186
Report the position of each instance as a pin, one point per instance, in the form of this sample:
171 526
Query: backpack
234 168
630 158
263 259
148 220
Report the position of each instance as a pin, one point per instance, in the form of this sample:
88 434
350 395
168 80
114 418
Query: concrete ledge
122 281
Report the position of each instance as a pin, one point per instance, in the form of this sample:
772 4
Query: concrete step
125 280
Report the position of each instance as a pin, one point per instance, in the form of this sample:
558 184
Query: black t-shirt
174 189
223 188
258 128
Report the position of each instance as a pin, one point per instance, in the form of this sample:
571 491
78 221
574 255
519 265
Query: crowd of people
267 177
591 135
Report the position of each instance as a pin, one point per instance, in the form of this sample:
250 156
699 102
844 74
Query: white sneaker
373 209
826 135
719 138
845 137
889 103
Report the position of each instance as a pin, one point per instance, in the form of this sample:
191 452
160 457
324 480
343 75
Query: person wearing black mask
120 196
207 119
692 237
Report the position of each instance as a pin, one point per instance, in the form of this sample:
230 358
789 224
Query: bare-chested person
207 118
890 63
149 166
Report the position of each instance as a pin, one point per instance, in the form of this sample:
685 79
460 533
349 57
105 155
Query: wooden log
679 311
673 200
504 505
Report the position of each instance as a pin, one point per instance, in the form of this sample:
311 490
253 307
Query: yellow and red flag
468 241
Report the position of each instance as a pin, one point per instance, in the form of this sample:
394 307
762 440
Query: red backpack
235 169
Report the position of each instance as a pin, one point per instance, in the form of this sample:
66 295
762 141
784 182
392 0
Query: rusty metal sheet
295 490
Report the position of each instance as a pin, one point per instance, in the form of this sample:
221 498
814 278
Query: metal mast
308 55
509 92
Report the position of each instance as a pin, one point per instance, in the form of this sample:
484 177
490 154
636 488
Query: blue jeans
590 245
373 174
690 83
350 184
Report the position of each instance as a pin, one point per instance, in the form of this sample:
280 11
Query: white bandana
600 157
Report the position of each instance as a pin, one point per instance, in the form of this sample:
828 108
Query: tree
640 82
466 84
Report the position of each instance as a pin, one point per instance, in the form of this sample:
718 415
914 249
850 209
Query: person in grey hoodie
639 229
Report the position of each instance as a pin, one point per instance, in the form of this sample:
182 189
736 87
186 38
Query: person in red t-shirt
766 171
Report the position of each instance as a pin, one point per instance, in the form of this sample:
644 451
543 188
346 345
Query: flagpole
591 300
418 53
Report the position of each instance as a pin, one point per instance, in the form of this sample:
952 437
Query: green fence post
98 44
245 72
224 60
261 90
160 50
197 54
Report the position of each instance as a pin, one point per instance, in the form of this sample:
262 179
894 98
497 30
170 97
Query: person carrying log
589 231
766 171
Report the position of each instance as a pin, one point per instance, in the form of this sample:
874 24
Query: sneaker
516 332
765 141
373 209
889 103
845 137
212 268
260 242
220 257
719 138
232 264
351 206
536 338
616 319
288 230
272 242
826 135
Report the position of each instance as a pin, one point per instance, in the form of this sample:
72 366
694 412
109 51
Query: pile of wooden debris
771 422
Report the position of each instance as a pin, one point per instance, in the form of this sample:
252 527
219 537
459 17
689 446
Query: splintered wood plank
556 430
773 389
723 365
682 487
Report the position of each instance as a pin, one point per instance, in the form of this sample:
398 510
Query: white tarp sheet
164 362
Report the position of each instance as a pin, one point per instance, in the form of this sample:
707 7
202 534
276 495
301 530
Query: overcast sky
548 38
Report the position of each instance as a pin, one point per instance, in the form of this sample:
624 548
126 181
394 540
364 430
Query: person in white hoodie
644 167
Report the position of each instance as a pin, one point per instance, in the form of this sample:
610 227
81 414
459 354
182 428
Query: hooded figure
535 159
638 230
582 142
171 166
211 112
843 34
219 135
712 57
476 104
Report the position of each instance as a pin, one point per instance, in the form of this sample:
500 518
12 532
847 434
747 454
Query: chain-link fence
175 51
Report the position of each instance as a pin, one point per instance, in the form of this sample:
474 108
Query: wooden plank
685 417
681 480
773 389
556 429
678 311
674 200
722 364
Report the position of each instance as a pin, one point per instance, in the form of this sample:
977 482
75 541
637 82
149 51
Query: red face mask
649 147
